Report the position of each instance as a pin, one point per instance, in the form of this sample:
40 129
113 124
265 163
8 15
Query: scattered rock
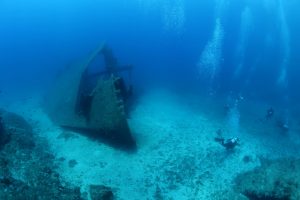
72 163
4 136
247 159
61 159
66 135
158 193
27 169
273 180
100 192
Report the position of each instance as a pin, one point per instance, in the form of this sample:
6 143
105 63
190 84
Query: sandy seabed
176 158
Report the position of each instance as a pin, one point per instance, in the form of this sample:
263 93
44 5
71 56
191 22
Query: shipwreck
93 101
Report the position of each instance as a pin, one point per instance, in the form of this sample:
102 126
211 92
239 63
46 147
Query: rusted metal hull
100 111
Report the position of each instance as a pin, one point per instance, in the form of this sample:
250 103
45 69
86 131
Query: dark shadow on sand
112 138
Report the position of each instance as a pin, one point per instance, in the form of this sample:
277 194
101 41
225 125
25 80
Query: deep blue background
39 37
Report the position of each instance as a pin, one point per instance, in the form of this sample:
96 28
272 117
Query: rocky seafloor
176 159
29 171
273 180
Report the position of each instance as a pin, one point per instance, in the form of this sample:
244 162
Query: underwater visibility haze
150 99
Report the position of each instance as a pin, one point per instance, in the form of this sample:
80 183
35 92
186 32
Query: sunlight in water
245 28
285 43
174 16
210 59
172 13
234 120
220 8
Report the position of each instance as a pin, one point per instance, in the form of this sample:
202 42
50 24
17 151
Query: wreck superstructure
93 103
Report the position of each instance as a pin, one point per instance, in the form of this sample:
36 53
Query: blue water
242 56
165 38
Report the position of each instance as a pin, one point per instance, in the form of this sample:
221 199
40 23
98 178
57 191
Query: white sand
177 157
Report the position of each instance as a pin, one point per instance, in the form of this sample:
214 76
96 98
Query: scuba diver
270 113
229 143
283 125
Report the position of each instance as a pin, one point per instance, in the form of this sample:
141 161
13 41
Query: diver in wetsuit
230 143
270 113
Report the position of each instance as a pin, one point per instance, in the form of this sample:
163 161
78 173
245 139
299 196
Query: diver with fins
269 114
229 143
